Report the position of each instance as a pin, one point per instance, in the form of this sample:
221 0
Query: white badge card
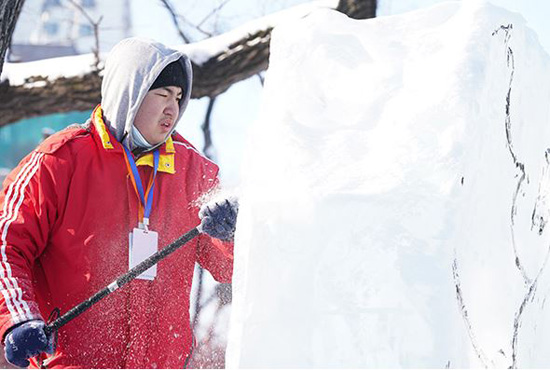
143 244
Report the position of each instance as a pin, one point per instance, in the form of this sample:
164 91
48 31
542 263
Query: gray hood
130 69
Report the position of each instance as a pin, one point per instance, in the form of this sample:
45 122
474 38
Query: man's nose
172 108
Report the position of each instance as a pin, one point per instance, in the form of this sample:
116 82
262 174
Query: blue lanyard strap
147 204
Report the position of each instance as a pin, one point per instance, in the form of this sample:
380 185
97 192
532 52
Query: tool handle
121 281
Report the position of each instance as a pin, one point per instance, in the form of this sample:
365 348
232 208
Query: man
91 202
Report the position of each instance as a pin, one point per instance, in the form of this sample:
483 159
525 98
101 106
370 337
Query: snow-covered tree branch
218 63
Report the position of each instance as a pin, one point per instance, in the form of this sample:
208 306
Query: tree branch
212 13
241 60
206 125
95 26
174 16
358 9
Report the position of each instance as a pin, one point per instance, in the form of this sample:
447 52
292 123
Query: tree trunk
358 9
239 61
9 13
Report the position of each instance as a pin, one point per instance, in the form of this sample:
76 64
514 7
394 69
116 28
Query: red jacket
65 216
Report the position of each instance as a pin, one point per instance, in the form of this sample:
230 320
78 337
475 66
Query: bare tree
175 19
240 60
95 27
9 13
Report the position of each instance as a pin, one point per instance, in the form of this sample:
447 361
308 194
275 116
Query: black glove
26 341
218 219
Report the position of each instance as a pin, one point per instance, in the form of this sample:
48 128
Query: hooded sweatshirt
66 213
123 92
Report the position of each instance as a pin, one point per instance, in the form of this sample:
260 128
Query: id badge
143 244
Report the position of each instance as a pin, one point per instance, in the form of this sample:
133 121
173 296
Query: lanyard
147 197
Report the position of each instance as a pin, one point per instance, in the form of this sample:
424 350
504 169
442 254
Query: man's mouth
166 124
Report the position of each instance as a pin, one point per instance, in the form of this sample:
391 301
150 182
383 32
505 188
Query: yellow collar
166 158
167 150
101 128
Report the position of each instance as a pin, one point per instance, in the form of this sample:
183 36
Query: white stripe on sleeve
10 289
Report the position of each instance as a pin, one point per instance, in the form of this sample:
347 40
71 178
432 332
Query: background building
59 27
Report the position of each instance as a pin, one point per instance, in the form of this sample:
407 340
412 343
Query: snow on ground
395 196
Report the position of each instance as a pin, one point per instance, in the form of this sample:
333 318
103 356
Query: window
51 28
88 3
50 3
86 30
47 4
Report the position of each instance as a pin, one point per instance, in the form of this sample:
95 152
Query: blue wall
19 138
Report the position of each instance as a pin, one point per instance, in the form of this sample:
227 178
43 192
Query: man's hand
26 341
218 219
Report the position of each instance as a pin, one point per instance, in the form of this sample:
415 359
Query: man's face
158 113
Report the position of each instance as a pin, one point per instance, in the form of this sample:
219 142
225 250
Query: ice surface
396 194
